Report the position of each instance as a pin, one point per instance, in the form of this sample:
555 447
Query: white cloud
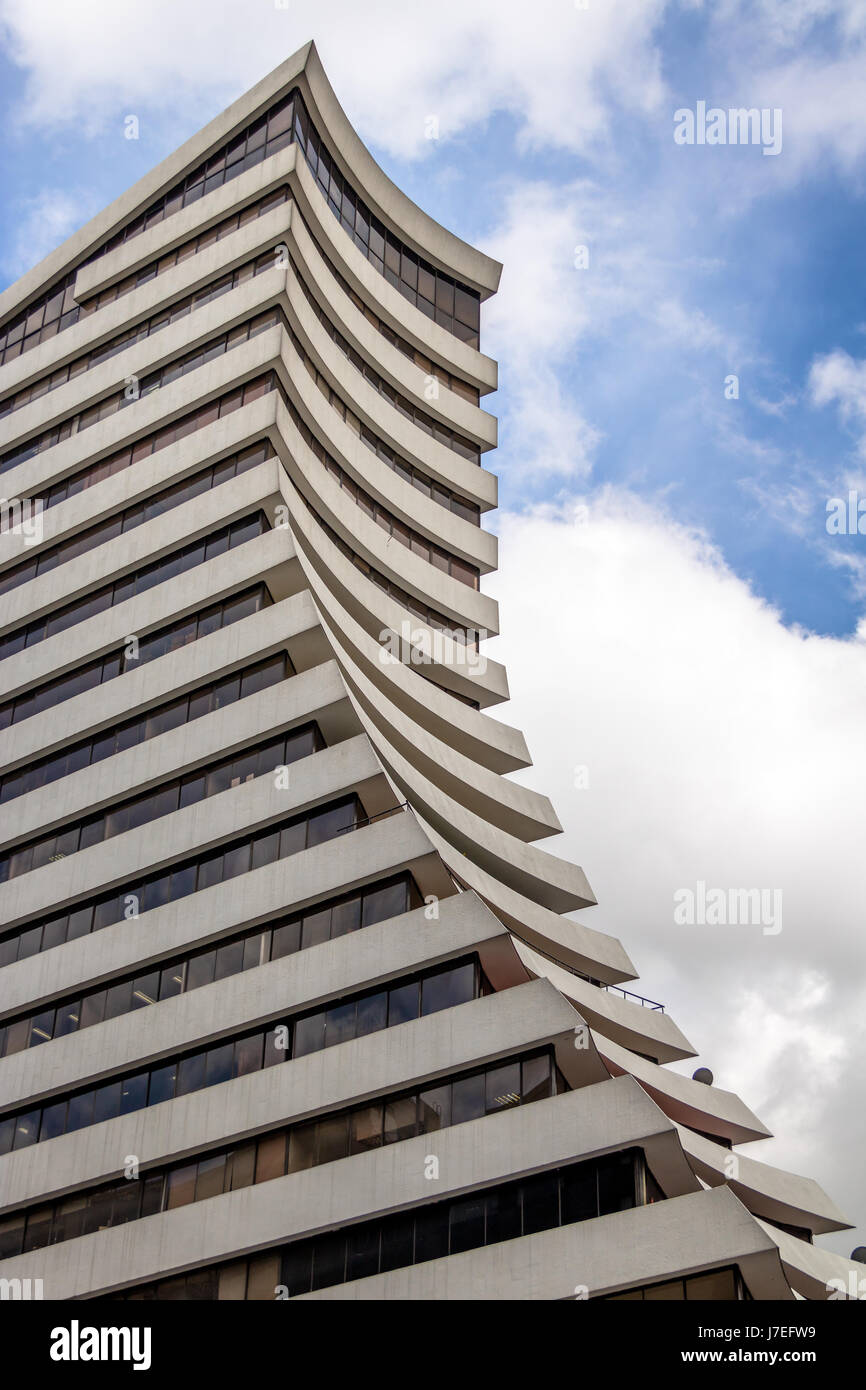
837 378
855 565
536 321
823 108
564 72
40 224
393 64
721 746
588 269
805 57
787 22
693 328
778 408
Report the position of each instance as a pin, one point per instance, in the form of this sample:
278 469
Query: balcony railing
380 815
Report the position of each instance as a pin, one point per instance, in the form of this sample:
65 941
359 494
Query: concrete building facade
290 1005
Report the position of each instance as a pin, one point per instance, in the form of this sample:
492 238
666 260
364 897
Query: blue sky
708 664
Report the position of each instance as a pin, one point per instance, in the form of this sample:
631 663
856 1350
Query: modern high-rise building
292 1005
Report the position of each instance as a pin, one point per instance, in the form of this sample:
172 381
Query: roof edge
303 67
456 257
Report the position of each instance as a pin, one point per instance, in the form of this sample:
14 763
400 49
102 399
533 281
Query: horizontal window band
148 648
389 1119
172 795
191 875
57 309
420 359
153 381
228 225
92 473
722 1285
232 955
435 428
499 1212
138 514
134 583
297 1035
217 409
164 318
225 342
408 536
432 617
443 299
129 733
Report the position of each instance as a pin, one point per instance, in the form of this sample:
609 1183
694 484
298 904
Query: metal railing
629 994
591 980
380 815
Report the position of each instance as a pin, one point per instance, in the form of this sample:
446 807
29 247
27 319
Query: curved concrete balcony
628 1021
373 956
404 318
367 469
97 327
189 222
816 1273
149 299
688 1102
554 882
161 407
461 604
477 425
141 360
176 461
507 805
317 695
256 490
767 1191
453 663
148 414
401 435
269 287
480 737
287 169
574 943
426 236
403 374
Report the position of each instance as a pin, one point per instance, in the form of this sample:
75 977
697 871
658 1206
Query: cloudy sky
681 330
